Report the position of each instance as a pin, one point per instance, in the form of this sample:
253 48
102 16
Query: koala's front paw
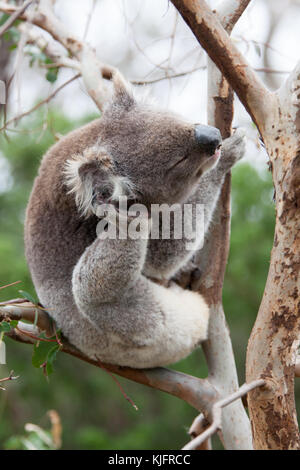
233 149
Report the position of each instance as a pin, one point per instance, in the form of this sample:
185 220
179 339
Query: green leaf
48 60
51 75
40 353
36 56
257 49
12 35
44 353
51 358
5 326
28 296
3 18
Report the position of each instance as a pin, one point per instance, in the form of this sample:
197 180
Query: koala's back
55 234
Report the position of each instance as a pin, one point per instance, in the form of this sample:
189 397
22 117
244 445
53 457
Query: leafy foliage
12 35
44 354
41 59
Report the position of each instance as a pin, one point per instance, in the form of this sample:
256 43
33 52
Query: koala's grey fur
101 292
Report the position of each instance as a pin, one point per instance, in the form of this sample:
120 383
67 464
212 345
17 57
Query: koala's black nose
208 138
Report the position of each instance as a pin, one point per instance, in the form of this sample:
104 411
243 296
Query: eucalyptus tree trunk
274 340
272 349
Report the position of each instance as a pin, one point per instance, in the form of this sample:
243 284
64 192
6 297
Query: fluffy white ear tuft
80 172
91 178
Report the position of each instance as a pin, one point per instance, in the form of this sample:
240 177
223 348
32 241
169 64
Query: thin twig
13 302
46 100
88 22
118 384
37 338
14 17
12 284
197 69
198 425
217 413
10 377
167 77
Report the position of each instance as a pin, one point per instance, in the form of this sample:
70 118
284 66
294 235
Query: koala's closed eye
185 157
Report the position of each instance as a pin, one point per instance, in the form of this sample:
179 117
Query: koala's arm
107 269
210 183
167 257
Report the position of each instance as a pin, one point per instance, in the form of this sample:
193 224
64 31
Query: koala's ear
123 93
83 172
92 179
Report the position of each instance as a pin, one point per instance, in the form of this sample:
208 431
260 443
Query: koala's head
157 154
162 154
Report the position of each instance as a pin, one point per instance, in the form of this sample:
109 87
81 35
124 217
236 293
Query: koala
108 295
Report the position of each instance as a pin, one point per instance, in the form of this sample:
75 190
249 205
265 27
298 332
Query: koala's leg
147 326
164 325
134 322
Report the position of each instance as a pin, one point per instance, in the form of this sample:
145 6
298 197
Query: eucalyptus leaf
27 296
5 327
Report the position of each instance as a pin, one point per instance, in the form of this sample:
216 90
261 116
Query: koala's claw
233 148
239 132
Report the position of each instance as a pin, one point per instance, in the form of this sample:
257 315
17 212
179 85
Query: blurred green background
93 412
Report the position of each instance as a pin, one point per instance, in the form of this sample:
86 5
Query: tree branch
230 11
49 47
7 379
274 341
27 311
93 71
216 424
18 12
40 103
198 393
216 42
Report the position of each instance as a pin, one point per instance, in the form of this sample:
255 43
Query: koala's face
160 153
